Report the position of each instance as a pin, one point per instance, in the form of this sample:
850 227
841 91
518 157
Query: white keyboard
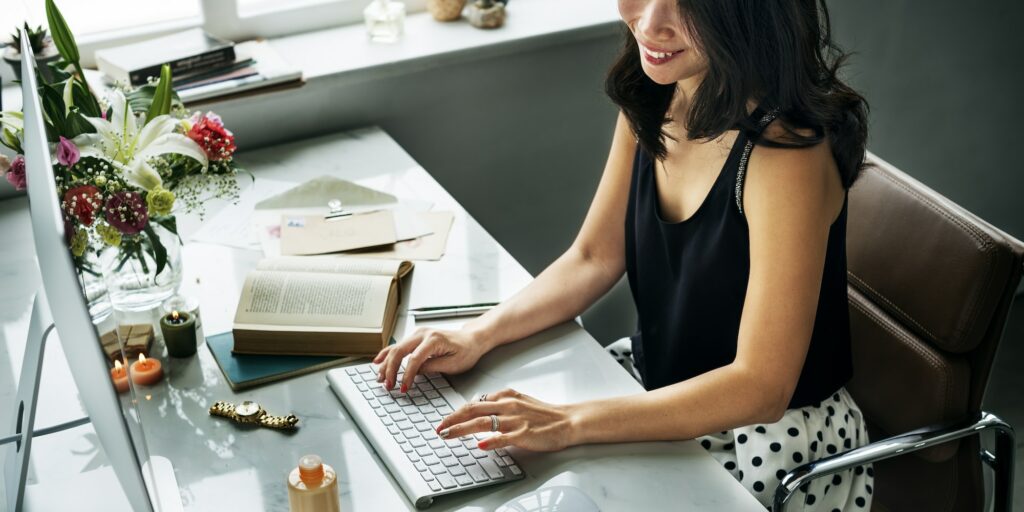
400 427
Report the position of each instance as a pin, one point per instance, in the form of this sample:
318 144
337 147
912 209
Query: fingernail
404 387
482 445
445 433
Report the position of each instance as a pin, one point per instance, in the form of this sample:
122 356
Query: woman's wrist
578 416
483 333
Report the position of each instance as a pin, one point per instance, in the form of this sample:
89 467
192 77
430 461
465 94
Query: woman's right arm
592 265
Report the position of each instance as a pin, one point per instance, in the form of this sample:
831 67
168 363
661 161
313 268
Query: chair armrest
909 442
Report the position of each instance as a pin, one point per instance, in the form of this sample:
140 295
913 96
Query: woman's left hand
523 421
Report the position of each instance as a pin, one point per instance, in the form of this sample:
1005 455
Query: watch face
247 408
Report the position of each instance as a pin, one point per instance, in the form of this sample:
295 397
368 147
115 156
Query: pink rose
126 211
16 174
67 153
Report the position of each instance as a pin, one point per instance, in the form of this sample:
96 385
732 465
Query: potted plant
42 47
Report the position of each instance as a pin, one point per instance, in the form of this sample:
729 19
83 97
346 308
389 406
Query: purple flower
67 153
126 211
16 174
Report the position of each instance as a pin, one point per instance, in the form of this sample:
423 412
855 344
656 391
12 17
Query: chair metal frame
1001 462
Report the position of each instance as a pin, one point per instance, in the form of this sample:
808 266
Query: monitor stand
82 490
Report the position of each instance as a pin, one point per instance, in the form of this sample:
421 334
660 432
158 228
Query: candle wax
120 375
146 371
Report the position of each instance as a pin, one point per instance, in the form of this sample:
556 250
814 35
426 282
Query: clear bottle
385 20
313 487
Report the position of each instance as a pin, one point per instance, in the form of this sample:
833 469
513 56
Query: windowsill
346 52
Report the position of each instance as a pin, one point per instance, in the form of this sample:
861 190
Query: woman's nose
660 20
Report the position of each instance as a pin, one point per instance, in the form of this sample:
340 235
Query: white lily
121 142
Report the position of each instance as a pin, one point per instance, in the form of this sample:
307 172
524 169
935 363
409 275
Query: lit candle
120 375
146 371
179 330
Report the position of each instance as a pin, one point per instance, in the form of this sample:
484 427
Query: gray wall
943 79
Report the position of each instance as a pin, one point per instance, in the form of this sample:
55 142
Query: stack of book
202 66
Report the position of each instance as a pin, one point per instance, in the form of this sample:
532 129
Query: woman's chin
660 76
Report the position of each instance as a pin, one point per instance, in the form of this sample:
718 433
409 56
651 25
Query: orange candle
146 372
120 375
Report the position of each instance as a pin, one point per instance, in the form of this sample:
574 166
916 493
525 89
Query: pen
434 312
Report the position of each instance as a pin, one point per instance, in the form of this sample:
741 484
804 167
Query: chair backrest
930 285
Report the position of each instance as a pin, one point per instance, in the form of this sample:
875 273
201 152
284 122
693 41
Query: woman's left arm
791 198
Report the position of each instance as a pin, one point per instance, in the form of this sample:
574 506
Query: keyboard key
387 421
414 393
460 451
405 425
413 456
434 417
467 460
440 383
417 418
392 408
411 434
515 470
501 463
463 480
417 442
457 470
444 452
423 451
428 476
477 473
436 443
438 470
393 430
431 460
419 378
369 378
491 468
501 452
362 387
444 411
351 371
480 454
403 401
420 466
433 375
380 393
424 427
450 461
373 369
437 402
431 394
446 481
508 461
434 486
425 386
420 401
364 369
367 395
375 404
380 412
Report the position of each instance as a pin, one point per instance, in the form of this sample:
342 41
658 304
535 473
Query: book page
331 264
306 299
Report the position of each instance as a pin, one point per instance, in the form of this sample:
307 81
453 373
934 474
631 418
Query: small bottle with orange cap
313 486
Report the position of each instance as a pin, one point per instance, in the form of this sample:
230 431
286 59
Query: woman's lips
658 57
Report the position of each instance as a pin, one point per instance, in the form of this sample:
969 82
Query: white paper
233 225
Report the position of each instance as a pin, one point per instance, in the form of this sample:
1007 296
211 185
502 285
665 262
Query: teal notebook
245 370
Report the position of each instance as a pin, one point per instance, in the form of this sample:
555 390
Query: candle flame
118 365
142 358
174 315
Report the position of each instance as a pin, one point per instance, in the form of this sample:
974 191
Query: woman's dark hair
778 53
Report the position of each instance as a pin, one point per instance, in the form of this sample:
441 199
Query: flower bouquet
125 165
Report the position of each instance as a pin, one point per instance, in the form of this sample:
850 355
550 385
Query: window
103 16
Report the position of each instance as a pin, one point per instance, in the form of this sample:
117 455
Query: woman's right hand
429 350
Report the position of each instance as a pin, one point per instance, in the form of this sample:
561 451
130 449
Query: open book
319 305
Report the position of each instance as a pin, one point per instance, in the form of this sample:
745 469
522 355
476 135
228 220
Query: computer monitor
69 309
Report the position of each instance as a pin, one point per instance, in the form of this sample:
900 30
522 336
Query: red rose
82 203
218 142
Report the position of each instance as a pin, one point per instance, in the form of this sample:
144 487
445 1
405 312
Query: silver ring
495 423
482 397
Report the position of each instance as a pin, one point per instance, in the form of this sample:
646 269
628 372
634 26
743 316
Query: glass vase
134 279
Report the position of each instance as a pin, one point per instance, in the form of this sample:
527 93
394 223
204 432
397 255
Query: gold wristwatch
252 413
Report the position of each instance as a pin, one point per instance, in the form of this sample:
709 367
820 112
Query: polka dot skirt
760 455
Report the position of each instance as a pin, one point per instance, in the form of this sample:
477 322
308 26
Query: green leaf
62 36
168 222
85 100
142 98
77 124
53 107
159 251
161 104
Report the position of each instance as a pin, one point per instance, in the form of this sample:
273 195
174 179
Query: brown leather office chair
930 285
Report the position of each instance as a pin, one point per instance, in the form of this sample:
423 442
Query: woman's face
667 51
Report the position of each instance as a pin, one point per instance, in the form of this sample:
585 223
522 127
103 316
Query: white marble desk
219 466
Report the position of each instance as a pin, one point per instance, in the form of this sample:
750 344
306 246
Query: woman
724 201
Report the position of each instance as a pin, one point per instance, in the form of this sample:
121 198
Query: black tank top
689 280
